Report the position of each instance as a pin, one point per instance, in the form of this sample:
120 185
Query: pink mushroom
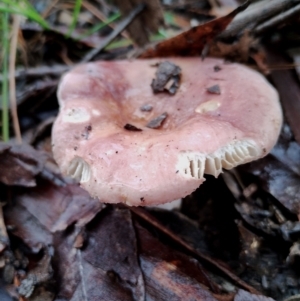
221 116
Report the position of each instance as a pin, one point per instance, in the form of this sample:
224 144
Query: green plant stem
5 111
100 26
23 8
75 16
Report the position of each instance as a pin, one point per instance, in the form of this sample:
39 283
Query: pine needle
5 109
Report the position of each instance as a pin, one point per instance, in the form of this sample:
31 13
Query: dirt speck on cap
157 122
217 68
86 132
215 89
130 127
146 108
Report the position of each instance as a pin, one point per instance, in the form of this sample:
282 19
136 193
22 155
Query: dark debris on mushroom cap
157 121
146 108
130 127
167 78
215 89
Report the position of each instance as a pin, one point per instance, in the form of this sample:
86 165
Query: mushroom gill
79 169
196 164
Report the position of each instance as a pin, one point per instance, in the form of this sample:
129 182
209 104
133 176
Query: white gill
196 164
79 170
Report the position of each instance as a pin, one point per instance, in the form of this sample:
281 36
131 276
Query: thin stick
94 10
48 9
12 80
76 12
146 216
39 71
294 11
5 113
97 13
121 26
255 14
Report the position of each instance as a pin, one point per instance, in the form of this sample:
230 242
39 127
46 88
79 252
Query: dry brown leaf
107 268
193 41
37 212
19 164
168 274
58 207
279 180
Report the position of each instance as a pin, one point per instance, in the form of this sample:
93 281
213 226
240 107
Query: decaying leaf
170 275
257 217
193 41
107 268
24 225
58 207
279 173
19 164
40 274
287 150
279 180
35 214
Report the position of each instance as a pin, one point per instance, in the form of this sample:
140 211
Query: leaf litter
193 41
20 164
237 233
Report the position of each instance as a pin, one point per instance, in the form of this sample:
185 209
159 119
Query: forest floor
235 238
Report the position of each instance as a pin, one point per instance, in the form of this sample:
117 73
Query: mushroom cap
202 133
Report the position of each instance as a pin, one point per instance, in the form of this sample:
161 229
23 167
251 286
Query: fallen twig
146 216
48 9
97 13
278 19
256 14
35 88
121 26
12 80
39 71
